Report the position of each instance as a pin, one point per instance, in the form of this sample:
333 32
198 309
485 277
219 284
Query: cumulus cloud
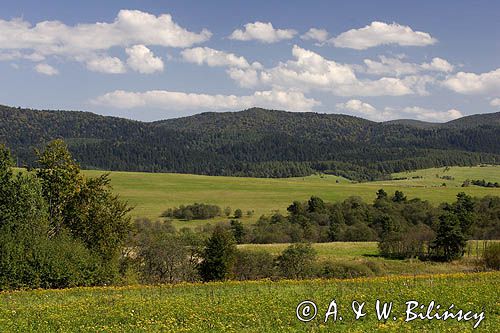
310 70
318 35
142 60
495 102
110 65
471 83
368 111
16 55
46 69
397 67
246 78
358 107
86 42
262 32
130 27
380 33
216 58
172 100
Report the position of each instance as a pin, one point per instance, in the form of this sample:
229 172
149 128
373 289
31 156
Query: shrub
343 270
238 214
491 256
196 211
297 261
253 265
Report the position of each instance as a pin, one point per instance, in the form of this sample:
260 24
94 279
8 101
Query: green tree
399 196
316 205
297 261
450 241
218 256
238 231
61 181
238 213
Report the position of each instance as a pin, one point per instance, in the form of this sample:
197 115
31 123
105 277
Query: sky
149 60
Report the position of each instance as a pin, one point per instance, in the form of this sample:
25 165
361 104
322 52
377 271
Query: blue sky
149 60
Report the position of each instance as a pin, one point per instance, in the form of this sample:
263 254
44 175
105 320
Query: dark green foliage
238 230
450 241
218 256
196 211
238 214
255 142
482 183
491 256
253 265
57 228
297 261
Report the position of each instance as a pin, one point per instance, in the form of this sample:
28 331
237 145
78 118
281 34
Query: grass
364 252
153 193
262 306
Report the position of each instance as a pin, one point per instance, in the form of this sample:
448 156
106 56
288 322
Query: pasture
257 306
153 193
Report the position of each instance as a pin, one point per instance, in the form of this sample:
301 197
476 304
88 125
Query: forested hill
255 142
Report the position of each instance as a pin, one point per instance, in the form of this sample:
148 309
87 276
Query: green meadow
255 306
153 193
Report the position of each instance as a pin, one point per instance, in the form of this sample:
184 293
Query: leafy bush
343 270
196 211
297 261
253 265
491 256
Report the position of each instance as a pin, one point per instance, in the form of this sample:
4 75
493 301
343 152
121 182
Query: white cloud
358 107
495 102
262 32
380 33
15 55
471 83
319 35
87 42
171 100
394 66
110 65
424 114
142 60
438 64
309 71
368 111
46 69
130 27
216 58
247 78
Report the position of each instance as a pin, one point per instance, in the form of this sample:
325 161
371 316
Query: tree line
254 142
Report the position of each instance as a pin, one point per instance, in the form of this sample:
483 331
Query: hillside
255 142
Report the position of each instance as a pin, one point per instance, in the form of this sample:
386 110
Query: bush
491 256
196 211
297 261
253 265
238 213
344 270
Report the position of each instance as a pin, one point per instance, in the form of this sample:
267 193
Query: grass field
153 193
366 252
262 306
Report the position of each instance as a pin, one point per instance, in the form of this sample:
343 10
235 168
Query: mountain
412 123
255 142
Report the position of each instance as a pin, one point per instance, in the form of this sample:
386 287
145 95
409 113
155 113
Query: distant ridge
255 142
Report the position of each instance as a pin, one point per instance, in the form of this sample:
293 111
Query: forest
254 142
